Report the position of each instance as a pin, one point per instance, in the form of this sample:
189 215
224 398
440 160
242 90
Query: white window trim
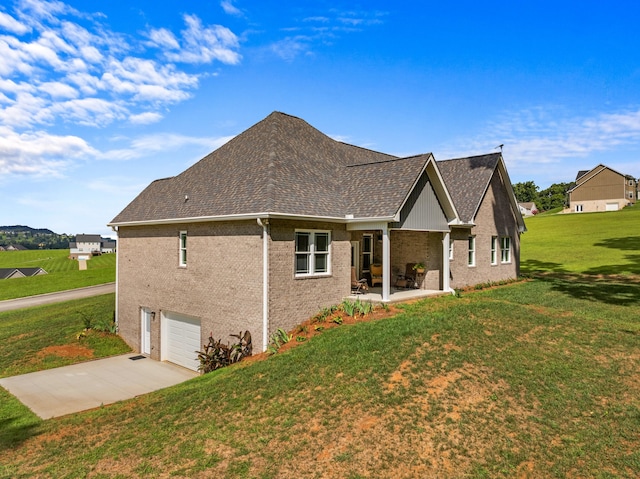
494 250
504 250
312 254
451 249
579 208
471 256
182 258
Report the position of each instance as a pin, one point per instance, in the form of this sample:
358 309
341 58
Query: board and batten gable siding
605 185
422 211
495 217
221 284
293 300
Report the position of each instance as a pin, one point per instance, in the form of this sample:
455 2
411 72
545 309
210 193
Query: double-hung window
505 249
183 249
312 252
494 250
472 251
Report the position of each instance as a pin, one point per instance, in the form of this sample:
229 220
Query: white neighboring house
528 209
87 246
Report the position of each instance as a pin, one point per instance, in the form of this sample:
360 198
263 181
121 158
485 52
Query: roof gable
468 179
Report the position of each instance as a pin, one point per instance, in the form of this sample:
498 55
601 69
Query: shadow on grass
618 291
629 243
14 431
534 266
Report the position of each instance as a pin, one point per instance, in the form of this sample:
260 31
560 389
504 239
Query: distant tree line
32 238
553 197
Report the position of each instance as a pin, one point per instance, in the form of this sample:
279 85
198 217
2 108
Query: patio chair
376 274
358 285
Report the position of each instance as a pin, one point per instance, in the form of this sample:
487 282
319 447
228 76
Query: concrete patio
397 295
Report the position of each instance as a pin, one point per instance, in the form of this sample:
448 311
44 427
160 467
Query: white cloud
162 37
73 70
58 90
162 142
230 9
145 118
39 153
11 24
205 44
289 48
549 143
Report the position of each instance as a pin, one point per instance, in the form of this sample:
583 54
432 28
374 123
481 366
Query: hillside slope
587 243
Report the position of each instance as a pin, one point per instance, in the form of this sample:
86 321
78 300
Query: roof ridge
390 160
469 157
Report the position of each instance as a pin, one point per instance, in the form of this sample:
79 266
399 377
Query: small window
183 248
494 250
312 252
505 249
472 250
578 208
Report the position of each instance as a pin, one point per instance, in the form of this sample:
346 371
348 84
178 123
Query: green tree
526 192
553 197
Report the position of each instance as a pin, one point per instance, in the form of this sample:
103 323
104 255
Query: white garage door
182 340
612 206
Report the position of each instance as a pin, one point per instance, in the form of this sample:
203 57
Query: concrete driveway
70 389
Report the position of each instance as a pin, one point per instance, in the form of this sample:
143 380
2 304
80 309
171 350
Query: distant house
9 273
15 247
602 189
528 209
271 227
86 246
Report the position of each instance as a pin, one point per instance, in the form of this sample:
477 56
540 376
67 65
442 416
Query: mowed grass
63 273
45 337
536 379
586 243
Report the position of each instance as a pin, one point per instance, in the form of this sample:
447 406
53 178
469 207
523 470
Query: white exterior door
145 332
181 340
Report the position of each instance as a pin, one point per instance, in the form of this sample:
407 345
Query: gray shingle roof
281 165
467 180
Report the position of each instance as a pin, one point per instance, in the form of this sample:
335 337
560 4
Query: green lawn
534 379
585 243
47 337
62 272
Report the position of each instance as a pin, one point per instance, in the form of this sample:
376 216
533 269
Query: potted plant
418 268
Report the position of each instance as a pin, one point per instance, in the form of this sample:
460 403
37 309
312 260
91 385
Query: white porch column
386 263
446 268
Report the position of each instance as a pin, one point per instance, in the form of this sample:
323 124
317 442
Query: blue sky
99 98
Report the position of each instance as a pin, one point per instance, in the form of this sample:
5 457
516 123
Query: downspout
115 228
265 282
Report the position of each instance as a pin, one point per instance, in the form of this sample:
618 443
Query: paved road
58 297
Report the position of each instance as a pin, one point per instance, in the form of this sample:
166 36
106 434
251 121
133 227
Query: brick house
264 232
602 189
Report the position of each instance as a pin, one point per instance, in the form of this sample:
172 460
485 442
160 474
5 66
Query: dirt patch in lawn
66 351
